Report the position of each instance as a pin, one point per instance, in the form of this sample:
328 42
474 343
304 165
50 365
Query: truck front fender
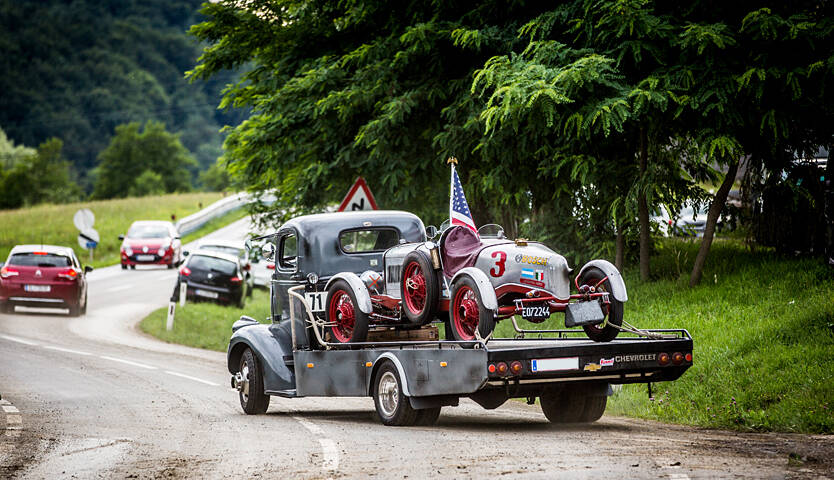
270 344
484 285
618 288
363 297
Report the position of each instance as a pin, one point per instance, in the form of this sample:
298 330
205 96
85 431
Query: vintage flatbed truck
409 372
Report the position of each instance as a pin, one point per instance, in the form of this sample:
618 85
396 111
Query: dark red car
151 242
43 276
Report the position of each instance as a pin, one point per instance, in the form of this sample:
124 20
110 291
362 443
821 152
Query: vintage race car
470 281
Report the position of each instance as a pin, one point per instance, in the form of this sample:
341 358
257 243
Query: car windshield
238 252
206 263
38 259
361 241
147 231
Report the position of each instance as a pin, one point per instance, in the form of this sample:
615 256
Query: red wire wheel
467 313
346 322
613 310
418 288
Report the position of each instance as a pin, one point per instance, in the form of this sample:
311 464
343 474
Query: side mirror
185 253
431 232
121 237
248 244
269 251
88 269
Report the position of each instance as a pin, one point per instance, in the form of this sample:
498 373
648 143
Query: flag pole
451 161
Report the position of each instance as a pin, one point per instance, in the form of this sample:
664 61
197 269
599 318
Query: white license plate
316 300
555 364
206 293
145 258
37 288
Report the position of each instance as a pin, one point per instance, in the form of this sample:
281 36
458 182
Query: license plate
316 300
535 312
206 293
145 258
37 288
555 364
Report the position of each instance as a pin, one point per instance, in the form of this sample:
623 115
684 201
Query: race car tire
252 397
392 405
613 311
467 313
418 289
348 323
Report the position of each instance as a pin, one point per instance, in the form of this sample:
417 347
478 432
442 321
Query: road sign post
88 237
183 291
169 324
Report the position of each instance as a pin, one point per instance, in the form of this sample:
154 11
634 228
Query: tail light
491 368
688 357
502 368
270 266
677 358
515 367
7 272
185 271
68 274
235 279
663 359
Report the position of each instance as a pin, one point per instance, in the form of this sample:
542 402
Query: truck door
286 270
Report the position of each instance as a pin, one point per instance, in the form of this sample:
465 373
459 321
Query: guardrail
217 209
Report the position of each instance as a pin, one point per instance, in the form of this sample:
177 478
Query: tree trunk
619 249
712 219
643 210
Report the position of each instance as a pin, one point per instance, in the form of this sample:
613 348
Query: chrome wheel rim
244 373
388 394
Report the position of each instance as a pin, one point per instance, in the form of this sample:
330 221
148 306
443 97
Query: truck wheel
594 408
392 405
418 288
467 313
427 417
564 406
613 311
252 397
347 322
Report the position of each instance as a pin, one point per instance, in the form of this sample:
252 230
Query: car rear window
147 231
238 252
369 240
33 259
202 262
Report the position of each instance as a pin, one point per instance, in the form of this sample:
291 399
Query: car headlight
313 278
128 251
161 251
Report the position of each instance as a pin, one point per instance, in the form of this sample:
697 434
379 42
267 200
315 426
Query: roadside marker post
183 290
169 325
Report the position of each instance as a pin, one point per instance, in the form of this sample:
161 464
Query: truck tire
349 324
565 406
418 289
594 408
391 404
427 417
613 312
467 313
252 397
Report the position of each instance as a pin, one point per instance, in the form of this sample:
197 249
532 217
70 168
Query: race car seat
459 248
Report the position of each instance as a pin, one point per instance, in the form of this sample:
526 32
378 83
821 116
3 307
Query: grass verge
205 325
52 224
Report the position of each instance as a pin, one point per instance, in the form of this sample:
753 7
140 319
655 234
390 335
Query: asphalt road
94 397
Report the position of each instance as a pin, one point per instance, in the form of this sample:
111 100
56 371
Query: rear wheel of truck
392 406
427 417
252 397
594 408
565 406
346 322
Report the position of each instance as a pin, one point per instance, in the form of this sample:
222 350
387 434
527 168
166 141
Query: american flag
459 213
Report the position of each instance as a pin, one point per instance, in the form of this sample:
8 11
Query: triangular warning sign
358 198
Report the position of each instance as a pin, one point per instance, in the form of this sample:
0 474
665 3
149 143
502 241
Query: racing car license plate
555 364
37 288
315 300
205 293
145 258
537 312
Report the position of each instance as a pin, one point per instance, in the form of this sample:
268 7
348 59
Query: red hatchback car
150 242
43 276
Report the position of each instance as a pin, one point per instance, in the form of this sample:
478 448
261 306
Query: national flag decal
531 274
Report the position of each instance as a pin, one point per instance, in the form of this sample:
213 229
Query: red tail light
69 274
185 271
39 253
7 272
491 368
688 357
235 279
515 367
270 266
663 359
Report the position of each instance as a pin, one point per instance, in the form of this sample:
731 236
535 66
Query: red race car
151 242
43 276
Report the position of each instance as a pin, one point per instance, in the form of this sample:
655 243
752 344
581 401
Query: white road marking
128 362
119 288
10 409
192 378
678 476
328 446
66 350
18 340
14 421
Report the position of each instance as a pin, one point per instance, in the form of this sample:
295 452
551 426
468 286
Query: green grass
763 331
205 325
52 224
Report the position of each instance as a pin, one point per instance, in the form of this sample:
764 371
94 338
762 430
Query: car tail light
688 357
185 271
270 266
69 274
663 359
677 358
235 279
502 368
515 367
39 253
7 272
491 368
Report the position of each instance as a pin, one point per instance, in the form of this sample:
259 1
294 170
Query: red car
151 242
43 276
